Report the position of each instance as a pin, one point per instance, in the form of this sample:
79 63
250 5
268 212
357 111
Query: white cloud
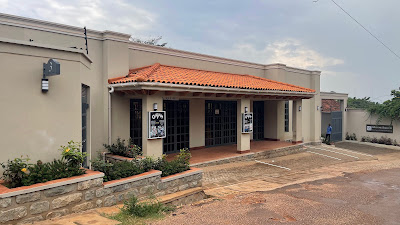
289 51
115 15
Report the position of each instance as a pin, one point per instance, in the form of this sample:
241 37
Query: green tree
360 103
389 109
151 41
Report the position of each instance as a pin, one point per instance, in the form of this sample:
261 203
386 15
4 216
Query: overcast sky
298 33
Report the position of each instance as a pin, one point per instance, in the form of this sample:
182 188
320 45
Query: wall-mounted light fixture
51 68
246 109
300 108
345 109
155 106
317 107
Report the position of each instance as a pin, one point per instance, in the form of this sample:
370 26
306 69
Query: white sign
247 122
157 124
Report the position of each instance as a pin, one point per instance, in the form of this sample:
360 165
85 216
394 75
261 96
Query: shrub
120 148
347 136
20 173
15 171
122 169
366 139
395 143
374 140
353 137
179 164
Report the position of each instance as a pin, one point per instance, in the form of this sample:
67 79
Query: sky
299 33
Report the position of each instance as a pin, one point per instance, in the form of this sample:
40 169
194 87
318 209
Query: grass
135 212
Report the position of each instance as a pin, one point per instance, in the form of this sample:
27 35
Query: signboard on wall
380 128
156 124
247 122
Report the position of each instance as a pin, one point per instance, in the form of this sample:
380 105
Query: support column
151 147
297 124
243 140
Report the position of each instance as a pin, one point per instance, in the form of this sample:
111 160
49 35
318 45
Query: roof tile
179 75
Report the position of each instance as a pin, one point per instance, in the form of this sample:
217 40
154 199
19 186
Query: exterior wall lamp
51 68
246 109
155 106
299 108
317 107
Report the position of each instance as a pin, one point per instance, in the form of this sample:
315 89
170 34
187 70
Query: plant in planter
15 171
179 164
19 173
124 148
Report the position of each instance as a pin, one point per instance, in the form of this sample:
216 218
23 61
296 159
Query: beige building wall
357 120
46 121
35 123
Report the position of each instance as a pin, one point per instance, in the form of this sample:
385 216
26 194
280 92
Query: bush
120 148
19 172
121 169
179 164
15 171
374 140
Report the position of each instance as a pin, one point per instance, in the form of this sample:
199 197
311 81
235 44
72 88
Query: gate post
243 140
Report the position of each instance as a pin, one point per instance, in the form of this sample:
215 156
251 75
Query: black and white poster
157 125
247 122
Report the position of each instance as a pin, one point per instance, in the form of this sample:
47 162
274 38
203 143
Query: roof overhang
149 88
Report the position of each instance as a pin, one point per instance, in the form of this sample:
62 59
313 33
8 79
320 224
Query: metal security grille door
136 121
177 113
85 106
221 123
258 122
336 126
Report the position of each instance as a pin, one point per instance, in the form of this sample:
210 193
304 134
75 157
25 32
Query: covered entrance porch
203 154
205 110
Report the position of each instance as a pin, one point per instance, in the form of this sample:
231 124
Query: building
108 93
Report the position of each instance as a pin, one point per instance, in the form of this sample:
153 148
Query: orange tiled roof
178 75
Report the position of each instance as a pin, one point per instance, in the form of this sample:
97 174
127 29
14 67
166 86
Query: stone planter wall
69 195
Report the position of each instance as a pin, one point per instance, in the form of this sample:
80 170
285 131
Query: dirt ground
317 190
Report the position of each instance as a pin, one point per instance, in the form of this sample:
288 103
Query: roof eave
205 89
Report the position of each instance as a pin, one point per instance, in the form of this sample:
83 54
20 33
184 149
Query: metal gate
177 126
336 123
221 123
258 122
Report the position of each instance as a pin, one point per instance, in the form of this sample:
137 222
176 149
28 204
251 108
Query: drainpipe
109 114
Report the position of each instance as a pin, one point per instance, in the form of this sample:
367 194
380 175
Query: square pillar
297 124
243 140
151 147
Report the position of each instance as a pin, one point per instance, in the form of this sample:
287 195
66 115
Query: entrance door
258 122
336 126
221 123
177 126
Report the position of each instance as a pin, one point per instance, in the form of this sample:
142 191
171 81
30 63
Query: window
85 123
136 121
286 116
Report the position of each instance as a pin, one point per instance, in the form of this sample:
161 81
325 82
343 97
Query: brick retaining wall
69 195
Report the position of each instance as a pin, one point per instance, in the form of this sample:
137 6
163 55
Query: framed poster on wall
247 122
156 124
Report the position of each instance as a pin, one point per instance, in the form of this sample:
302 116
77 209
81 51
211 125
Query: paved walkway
220 152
